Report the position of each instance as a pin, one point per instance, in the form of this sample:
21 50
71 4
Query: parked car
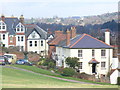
11 58
3 60
23 62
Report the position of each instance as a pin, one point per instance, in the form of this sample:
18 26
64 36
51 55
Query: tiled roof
84 41
57 39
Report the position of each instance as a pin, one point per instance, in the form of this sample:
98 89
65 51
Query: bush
51 65
68 72
118 80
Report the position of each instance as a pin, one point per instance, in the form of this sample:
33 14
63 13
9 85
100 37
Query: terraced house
28 37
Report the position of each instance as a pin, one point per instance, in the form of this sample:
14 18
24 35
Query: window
3 36
18 38
103 65
30 43
41 43
11 39
18 29
0 27
93 53
79 53
3 45
3 27
103 53
21 29
22 38
35 43
80 65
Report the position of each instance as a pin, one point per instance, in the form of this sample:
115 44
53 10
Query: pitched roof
11 24
56 40
84 41
33 27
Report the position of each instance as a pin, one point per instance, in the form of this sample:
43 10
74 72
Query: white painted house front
3 34
20 36
95 56
37 40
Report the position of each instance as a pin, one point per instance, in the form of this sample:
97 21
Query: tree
72 62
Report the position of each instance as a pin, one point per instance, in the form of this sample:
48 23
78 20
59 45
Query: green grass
12 78
46 72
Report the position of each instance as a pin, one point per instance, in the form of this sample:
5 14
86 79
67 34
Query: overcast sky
60 8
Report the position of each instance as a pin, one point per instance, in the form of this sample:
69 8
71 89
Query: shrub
72 62
51 65
68 72
118 80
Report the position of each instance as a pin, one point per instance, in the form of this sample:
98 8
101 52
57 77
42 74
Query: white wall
4 41
20 43
87 56
114 76
116 63
37 48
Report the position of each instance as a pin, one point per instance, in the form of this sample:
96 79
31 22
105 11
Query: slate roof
11 24
33 27
84 41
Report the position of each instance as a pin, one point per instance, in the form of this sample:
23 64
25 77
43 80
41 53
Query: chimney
58 33
68 37
3 18
73 32
107 36
21 19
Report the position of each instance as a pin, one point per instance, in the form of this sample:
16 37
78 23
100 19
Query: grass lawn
46 72
12 78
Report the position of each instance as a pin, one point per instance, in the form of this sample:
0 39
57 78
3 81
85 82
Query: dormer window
20 28
2 26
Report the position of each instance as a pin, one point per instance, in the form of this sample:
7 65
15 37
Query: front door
94 68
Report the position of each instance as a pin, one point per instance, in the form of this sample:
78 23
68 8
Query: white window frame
103 65
30 43
103 53
20 28
2 24
93 53
80 53
4 36
42 43
81 65
36 44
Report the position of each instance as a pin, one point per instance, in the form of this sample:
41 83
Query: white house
95 56
37 40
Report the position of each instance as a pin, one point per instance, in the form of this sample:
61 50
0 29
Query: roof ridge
98 40
77 41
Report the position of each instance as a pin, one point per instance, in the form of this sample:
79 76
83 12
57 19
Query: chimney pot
73 32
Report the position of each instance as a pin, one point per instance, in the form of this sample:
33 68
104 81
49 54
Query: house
15 33
12 32
36 39
59 36
95 56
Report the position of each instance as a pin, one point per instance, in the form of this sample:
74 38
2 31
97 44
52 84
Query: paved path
49 76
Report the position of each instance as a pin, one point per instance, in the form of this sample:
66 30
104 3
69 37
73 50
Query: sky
60 8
